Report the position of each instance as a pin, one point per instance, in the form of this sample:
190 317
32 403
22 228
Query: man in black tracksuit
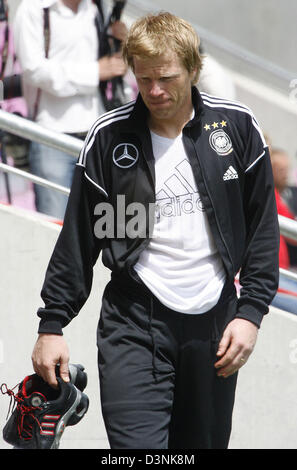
172 333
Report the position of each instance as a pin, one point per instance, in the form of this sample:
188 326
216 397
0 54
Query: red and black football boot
41 413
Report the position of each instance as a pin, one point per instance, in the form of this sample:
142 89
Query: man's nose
155 89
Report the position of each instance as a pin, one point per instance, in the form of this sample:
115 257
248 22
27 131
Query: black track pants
159 388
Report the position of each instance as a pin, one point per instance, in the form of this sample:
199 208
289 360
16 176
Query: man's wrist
255 318
50 326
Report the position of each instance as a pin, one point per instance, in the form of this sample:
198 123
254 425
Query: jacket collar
140 113
198 106
138 122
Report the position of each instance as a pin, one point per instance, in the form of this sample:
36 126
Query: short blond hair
154 35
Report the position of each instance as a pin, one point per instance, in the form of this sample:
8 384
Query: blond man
172 333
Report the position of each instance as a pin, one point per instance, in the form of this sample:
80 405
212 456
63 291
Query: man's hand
236 345
49 350
112 66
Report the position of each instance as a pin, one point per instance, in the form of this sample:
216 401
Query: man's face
164 84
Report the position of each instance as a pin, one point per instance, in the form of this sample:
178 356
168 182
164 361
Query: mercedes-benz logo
125 155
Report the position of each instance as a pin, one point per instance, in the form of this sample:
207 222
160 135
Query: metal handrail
35 179
30 130
289 274
288 227
22 127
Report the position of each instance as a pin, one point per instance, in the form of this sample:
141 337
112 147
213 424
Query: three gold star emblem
215 125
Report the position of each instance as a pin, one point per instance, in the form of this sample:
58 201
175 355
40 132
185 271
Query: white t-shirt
181 265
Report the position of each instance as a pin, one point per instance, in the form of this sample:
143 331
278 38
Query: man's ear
194 76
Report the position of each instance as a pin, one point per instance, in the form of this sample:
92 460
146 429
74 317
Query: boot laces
25 412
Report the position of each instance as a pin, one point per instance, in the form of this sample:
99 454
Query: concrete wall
275 112
25 247
266 28
265 408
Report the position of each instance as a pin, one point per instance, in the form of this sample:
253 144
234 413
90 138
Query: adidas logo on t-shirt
230 174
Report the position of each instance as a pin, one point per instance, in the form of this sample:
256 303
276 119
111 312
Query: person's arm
259 273
111 67
69 275
119 30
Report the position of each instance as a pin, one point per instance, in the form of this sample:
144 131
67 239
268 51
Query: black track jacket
232 170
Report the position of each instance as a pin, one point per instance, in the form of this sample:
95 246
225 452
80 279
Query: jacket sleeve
259 274
69 275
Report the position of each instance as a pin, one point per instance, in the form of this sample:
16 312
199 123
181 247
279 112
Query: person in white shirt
61 87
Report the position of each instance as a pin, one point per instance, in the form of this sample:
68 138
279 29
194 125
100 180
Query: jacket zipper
210 198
